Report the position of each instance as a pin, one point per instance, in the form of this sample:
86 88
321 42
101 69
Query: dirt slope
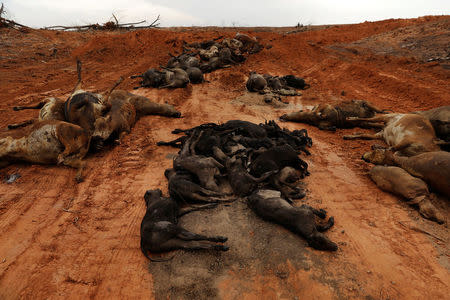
60 239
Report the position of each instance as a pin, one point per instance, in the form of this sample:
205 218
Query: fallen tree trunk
4 22
107 26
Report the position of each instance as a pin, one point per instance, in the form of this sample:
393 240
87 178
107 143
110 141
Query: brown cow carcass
330 117
431 167
126 108
407 134
46 142
397 181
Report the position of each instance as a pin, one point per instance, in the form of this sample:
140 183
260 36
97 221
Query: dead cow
81 108
271 207
275 159
214 63
175 78
46 142
204 168
440 119
183 61
160 231
126 108
330 117
240 180
183 189
150 78
399 182
213 51
409 134
195 75
256 83
295 82
250 44
286 182
431 167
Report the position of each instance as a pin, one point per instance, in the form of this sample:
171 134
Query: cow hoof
60 159
79 179
221 239
322 213
283 118
223 248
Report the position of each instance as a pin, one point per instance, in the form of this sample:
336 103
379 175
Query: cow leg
187 210
372 107
403 145
210 199
367 125
376 119
219 155
151 108
321 213
71 146
76 163
78 84
175 143
319 241
326 126
427 209
207 192
174 244
37 106
75 145
325 227
203 126
167 86
23 124
190 236
116 84
206 178
364 136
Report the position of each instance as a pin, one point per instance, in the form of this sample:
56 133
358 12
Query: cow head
379 157
82 109
152 195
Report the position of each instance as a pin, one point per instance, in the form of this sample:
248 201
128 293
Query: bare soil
60 239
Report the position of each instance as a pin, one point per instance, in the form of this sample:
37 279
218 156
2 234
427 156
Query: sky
41 13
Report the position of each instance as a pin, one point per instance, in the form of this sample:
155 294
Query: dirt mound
61 239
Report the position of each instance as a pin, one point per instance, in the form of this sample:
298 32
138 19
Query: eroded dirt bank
60 239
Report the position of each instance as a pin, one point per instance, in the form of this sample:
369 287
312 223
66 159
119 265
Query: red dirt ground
60 239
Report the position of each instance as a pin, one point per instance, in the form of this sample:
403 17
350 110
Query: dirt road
60 239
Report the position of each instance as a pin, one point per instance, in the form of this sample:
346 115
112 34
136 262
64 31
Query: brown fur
250 44
432 167
208 54
329 117
409 134
233 44
126 108
51 108
46 142
399 182
175 78
440 119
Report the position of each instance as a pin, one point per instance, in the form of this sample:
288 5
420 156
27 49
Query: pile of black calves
220 163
